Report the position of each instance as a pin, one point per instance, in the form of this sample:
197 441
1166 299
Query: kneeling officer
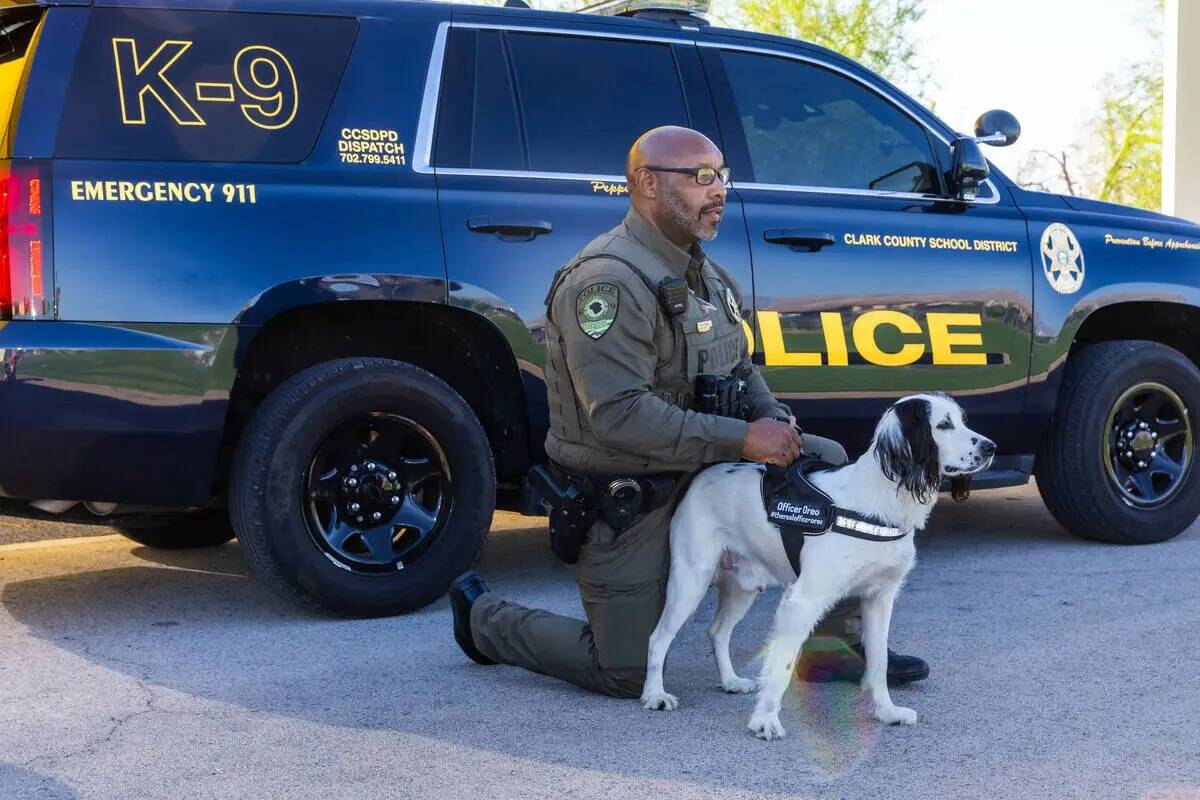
649 381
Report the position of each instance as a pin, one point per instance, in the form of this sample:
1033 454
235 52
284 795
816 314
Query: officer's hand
769 441
792 420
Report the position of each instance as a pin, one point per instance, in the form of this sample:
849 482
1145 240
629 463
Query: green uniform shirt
620 373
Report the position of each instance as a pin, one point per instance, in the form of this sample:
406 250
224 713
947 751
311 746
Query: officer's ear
644 182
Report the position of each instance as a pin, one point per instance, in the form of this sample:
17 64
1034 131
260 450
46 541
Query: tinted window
584 100
202 86
477 117
808 126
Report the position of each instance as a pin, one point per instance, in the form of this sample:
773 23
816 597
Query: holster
577 501
571 516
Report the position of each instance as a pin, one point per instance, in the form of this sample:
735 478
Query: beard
677 211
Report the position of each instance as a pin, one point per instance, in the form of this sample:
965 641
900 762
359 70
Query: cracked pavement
1060 669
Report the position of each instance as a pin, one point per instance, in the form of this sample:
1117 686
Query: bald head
675 202
670 146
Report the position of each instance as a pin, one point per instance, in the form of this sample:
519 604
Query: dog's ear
960 488
906 451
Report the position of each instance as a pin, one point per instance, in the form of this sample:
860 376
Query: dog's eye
945 425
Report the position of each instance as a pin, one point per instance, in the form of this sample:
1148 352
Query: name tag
704 326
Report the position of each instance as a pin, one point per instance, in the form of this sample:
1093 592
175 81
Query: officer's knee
624 683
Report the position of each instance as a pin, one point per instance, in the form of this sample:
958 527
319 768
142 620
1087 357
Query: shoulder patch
596 308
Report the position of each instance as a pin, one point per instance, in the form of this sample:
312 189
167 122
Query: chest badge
596 308
731 303
704 326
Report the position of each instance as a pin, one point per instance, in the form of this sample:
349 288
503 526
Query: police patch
596 309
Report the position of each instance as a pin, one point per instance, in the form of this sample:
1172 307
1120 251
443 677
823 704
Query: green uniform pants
622 582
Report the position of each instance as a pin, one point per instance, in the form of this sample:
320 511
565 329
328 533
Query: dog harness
799 509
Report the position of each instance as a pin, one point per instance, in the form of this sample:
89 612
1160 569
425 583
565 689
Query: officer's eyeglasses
703 175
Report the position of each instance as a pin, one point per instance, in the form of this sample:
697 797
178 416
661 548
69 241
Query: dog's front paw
896 715
659 701
736 685
766 726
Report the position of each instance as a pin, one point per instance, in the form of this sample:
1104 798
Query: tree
875 33
1120 159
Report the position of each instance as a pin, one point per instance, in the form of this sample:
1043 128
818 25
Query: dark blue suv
276 269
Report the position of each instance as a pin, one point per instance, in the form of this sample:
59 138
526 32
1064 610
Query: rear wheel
363 485
1119 465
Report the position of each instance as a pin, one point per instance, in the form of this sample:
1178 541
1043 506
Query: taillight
25 240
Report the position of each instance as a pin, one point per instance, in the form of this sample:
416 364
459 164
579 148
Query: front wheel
1119 464
363 485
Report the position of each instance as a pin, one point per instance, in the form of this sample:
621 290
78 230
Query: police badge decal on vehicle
596 309
1062 259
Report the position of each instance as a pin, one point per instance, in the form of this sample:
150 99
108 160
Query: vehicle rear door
528 146
869 283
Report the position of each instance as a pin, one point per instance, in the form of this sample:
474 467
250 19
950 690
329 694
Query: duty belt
799 509
621 499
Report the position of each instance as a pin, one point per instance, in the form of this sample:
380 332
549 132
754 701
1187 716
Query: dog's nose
987 448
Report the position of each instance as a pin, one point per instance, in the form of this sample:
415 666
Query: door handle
795 239
510 230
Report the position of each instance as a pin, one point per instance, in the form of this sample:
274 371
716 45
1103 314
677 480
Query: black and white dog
720 535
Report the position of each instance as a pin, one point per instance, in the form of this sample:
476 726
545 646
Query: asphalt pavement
1060 669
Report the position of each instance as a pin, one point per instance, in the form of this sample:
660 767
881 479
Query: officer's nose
987 448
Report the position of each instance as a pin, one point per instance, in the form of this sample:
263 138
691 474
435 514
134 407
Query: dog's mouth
987 462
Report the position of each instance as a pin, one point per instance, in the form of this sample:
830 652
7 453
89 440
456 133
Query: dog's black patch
911 459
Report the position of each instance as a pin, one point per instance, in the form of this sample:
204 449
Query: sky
1040 59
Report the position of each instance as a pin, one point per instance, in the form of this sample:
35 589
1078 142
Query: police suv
277 269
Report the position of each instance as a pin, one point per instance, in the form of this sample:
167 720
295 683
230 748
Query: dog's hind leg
797 615
733 604
877 618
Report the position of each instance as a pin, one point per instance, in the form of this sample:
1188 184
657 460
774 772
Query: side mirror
998 128
968 168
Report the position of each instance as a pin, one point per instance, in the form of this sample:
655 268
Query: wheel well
1173 324
461 348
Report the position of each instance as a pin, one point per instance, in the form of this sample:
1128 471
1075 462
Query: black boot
849 664
463 593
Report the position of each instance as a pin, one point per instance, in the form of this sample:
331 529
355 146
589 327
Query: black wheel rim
378 492
1148 444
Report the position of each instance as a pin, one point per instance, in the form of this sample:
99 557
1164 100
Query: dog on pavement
720 534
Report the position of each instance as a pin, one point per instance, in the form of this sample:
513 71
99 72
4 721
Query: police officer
626 340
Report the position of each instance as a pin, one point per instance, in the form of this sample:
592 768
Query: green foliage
873 32
1119 159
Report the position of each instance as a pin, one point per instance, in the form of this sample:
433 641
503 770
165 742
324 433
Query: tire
1087 483
207 528
291 513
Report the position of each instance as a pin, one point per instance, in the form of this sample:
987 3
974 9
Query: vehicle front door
869 283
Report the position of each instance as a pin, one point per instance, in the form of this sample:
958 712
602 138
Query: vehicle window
176 85
584 100
477 118
809 126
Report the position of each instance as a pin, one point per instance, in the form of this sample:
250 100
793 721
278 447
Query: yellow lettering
160 191
773 346
143 191
174 192
126 191
94 190
208 190
835 339
864 338
942 341
137 78
746 329
76 190
192 192
110 191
